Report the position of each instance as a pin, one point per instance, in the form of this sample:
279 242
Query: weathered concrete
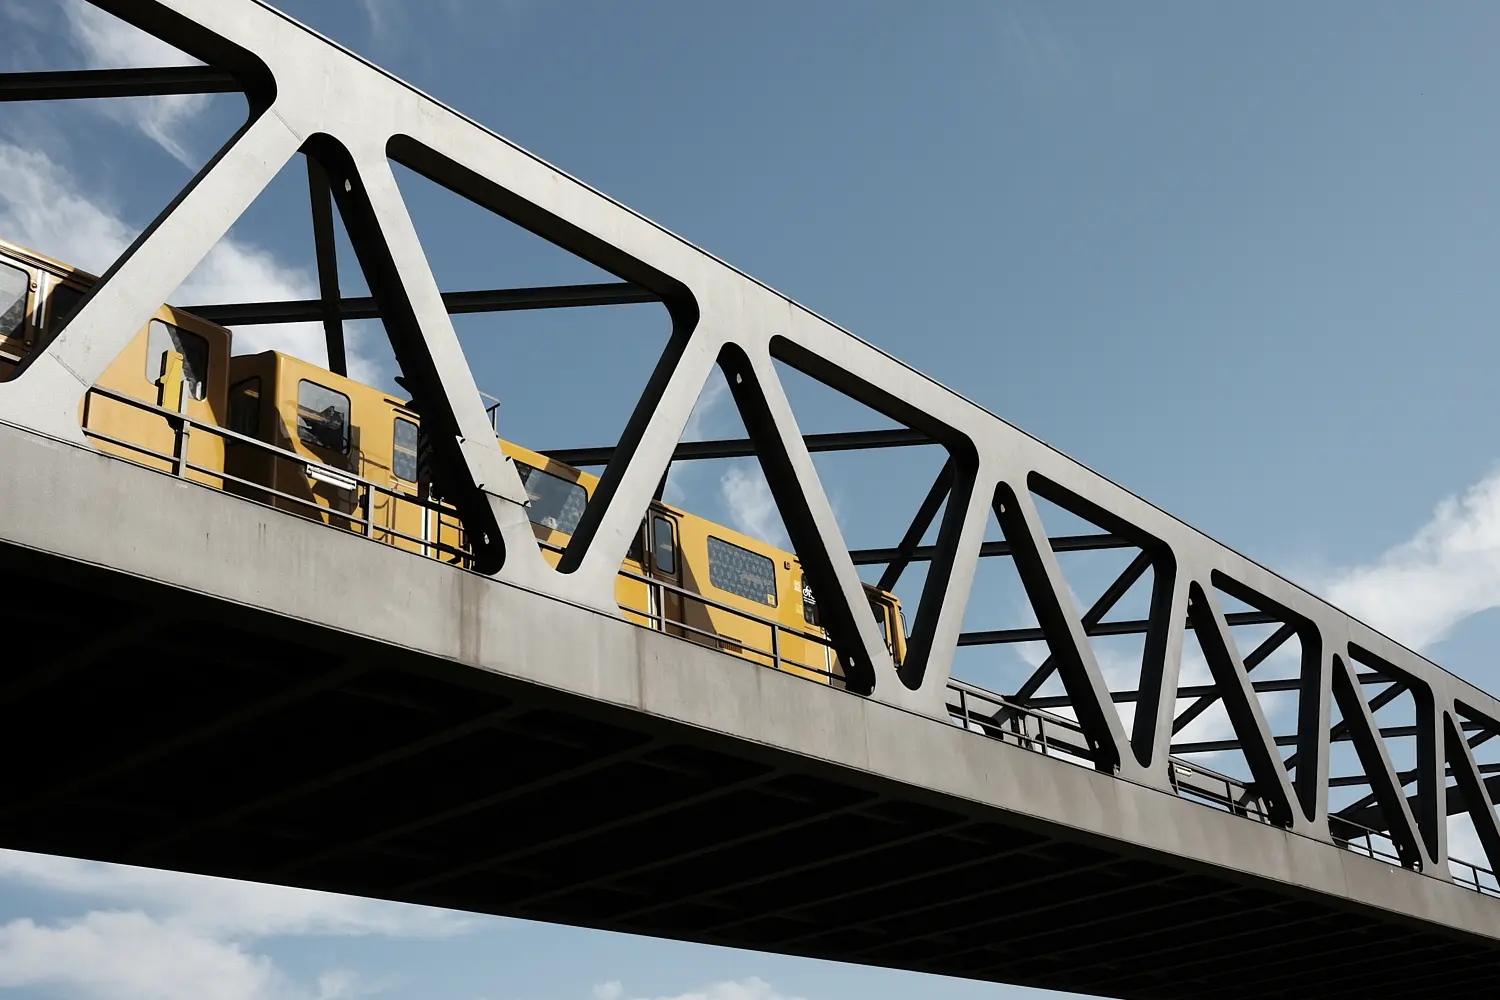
117 541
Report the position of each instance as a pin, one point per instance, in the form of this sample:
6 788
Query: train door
666 566
408 524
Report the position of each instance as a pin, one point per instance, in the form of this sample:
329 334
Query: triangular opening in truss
889 487
716 555
561 348
243 354
827 496
1225 746
1473 824
1059 690
1376 714
1269 645
88 174
1112 581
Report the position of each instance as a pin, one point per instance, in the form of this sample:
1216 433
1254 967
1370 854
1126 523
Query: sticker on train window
404 455
14 284
739 571
556 503
322 417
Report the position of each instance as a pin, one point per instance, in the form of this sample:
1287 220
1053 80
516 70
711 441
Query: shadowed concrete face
213 686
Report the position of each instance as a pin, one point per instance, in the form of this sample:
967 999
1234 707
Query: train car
684 574
177 363
306 440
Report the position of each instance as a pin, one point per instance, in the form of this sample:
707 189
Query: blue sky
1238 259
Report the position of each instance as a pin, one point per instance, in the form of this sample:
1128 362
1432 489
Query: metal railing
361 492
970 707
656 614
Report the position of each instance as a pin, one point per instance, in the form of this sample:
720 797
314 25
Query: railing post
369 505
775 647
184 438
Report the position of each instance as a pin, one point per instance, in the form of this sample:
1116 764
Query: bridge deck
208 685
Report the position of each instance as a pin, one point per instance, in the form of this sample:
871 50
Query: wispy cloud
753 988
110 43
1041 57
752 509
153 935
1449 570
44 207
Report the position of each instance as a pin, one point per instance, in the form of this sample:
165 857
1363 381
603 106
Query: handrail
237 437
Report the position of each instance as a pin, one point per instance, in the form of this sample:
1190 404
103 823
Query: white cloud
1417 591
130 955
110 43
753 988
382 15
224 906
751 507
184 937
42 206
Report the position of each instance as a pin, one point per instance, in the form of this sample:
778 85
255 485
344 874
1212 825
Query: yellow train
306 440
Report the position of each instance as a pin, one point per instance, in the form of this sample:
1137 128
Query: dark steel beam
80 83
328 265
910 541
924 553
1186 691
1290 740
1091 617
1405 777
1257 656
1378 702
1133 627
612 293
1369 804
688 451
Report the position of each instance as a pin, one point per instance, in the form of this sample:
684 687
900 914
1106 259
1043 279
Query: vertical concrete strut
1161 663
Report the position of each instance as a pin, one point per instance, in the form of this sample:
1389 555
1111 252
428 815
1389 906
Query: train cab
177 362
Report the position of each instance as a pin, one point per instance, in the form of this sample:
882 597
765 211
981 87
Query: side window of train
244 407
742 572
61 306
879 610
556 503
663 546
322 417
404 450
14 284
165 337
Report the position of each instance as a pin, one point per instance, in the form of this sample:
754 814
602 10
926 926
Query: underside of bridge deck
150 726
